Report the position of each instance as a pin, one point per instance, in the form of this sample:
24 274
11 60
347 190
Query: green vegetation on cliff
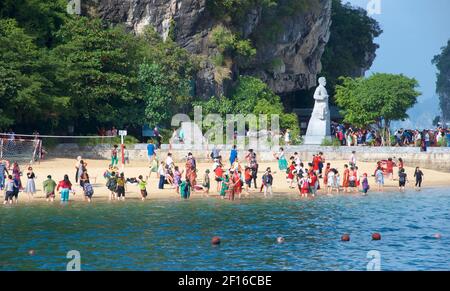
251 95
351 47
58 70
442 62
94 75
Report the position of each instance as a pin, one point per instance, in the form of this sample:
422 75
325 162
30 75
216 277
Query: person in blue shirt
369 137
3 171
233 155
151 151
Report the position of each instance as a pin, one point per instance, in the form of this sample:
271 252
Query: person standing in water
267 183
66 186
111 184
3 173
9 190
88 191
402 179
365 184
225 186
219 176
177 174
16 174
121 187
84 178
303 185
329 182
49 186
379 178
346 180
143 187
418 174
390 168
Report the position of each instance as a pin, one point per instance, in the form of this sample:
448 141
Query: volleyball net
20 150
30 149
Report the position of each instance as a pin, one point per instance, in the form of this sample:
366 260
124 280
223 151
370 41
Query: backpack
88 189
112 183
267 179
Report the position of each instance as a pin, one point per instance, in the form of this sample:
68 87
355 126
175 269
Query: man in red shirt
390 168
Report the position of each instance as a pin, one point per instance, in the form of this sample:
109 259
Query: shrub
333 142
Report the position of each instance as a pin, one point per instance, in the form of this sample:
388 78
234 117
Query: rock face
296 51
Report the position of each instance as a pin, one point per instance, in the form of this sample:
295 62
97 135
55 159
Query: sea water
176 235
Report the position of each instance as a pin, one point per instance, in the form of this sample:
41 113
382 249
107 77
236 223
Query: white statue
319 124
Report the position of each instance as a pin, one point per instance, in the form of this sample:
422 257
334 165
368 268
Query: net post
35 150
1 148
122 133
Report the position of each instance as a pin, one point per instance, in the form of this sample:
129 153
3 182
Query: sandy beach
58 167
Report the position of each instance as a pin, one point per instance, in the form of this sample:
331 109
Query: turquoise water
175 235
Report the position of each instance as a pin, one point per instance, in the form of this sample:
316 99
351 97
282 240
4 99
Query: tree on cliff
377 100
442 62
98 71
164 78
27 92
351 48
251 95
39 18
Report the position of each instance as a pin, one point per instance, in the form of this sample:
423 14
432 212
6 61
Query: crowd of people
107 132
234 177
350 136
307 177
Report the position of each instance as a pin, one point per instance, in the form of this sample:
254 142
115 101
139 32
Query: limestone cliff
290 62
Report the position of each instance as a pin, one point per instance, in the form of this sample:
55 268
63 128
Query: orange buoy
376 236
345 237
215 240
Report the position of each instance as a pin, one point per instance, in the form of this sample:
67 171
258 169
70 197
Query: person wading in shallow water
418 174
49 186
402 179
346 180
267 183
66 186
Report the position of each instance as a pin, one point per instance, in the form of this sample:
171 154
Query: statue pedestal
315 139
